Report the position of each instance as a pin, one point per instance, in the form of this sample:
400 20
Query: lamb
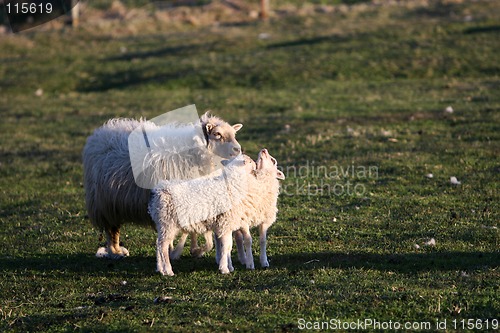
251 201
111 193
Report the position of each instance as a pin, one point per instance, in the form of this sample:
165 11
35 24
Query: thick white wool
204 198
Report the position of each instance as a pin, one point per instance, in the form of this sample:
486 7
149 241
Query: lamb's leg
201 250
176 253
217 249
225 264
230 261
263 243
165 238
113 249
247 240
194 243
238 237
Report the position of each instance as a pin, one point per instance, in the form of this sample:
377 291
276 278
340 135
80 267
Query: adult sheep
112 196
240 197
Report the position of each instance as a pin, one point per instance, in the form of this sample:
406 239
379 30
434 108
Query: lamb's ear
280 175
237 127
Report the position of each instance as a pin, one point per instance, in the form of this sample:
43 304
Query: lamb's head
266 162
221 136
250 165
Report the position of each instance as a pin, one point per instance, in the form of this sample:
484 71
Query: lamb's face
250 165
222 138
266 162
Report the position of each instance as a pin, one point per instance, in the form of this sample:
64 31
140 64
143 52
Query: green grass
359 89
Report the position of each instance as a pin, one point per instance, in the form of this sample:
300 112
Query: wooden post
264 9
75 13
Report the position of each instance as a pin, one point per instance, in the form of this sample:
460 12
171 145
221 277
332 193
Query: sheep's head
268 163
221 136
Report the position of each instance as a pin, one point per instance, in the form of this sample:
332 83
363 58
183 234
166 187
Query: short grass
351 104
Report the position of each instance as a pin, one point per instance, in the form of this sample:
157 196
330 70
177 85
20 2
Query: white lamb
250 194
111 193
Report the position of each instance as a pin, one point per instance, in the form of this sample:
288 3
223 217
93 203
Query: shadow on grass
485 29
20 209
140 265
32 153
40 322
142 74
403 263
310 41
130 78
167 51
84 263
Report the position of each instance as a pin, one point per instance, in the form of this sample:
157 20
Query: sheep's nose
237 150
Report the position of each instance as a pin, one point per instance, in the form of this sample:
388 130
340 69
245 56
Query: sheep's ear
209 128
237 127
280 175
204 117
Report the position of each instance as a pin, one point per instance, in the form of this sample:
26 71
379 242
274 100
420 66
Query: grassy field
351 103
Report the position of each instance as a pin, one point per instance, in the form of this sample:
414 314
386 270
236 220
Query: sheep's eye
218 136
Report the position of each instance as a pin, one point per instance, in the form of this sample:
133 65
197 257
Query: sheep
239 197
112 195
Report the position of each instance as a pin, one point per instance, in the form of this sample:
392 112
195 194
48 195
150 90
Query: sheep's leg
247 240
176 253
225 264
165 238
239 238
201 250
113 249
263 244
